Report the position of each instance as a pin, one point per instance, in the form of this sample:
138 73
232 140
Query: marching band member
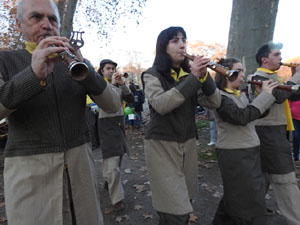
112 135
173 90
49 175
238 149
277 161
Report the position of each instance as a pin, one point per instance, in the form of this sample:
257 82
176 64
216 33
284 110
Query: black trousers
170 219
222 217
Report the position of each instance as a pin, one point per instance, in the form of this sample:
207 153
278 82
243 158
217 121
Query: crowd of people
56 117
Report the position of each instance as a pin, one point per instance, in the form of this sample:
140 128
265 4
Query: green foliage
202 124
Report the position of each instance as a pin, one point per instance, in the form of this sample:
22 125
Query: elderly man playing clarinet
49 175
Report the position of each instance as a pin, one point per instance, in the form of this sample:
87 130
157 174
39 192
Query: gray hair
20 11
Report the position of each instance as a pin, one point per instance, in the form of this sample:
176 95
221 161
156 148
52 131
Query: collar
176 76
236 92
265 70
30 46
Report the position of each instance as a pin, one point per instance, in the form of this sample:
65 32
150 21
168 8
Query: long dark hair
220 80
163 61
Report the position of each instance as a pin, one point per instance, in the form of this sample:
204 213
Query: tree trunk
252 25
66 10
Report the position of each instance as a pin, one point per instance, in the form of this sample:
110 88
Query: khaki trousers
112 175
172 171
287 195
52 189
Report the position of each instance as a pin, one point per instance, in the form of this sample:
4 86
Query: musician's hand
269 85
75 52
45 55
199 66
117 78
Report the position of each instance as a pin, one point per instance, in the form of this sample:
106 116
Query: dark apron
276 152
243 182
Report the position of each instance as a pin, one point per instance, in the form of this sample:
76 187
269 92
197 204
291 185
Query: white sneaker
211 143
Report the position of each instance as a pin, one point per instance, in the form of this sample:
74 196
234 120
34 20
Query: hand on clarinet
199 66
117 78
269 85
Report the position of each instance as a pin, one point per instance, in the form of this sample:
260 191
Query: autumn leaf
126 217
193 218
217 194
139 188
138 207
128 171
147 216
108 210
118 219
134 158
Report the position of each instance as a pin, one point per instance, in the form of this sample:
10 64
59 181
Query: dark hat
105 61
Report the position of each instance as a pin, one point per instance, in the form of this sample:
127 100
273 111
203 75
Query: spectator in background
295 110
137 105
92 113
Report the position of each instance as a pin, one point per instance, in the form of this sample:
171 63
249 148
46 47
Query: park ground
138 210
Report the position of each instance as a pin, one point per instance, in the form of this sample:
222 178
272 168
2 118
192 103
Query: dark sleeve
231 113
294 96
280 95
128 97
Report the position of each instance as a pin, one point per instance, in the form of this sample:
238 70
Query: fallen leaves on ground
139 188
119 219
193 218
127 171
147 216
138 207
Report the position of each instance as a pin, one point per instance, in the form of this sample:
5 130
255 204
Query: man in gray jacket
276 155
49 175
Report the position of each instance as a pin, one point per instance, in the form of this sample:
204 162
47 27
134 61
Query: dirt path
139 209
138 195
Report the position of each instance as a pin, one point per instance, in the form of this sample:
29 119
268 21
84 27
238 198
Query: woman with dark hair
238 149
173 89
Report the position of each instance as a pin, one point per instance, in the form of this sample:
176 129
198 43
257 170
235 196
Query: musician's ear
264 59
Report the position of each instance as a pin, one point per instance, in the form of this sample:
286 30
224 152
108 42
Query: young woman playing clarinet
173 90
238 149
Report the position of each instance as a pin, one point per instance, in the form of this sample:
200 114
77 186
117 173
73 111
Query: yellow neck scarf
181 74
235 92
30 46
287 109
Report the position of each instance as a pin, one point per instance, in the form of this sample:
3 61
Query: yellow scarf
287 109
181 74
235 92
30 46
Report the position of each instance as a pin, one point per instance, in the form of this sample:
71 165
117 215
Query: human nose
182 44
46 24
